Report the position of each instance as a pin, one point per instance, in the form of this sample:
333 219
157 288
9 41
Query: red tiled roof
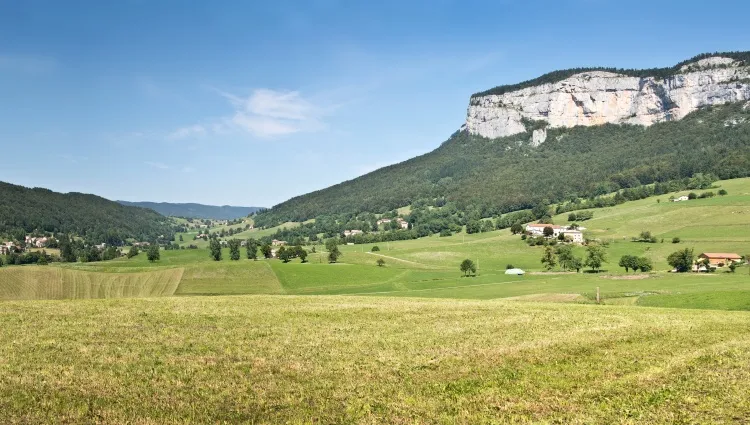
554 226
720 255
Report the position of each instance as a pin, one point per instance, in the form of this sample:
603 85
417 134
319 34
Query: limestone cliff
598 97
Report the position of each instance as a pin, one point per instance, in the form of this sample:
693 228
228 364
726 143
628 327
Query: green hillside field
428 267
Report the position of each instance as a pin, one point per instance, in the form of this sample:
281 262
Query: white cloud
268 113
185 132
265 113
159 165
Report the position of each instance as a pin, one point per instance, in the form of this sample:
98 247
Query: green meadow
190 340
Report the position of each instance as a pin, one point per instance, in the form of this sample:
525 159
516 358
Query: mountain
90 216
571 133
224 212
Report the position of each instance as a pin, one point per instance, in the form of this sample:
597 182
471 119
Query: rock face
594 98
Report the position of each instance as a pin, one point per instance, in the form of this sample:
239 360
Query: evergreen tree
215 249
234 249
333 250
252 249
133 251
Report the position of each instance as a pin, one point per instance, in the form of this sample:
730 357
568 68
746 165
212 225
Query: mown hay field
365 360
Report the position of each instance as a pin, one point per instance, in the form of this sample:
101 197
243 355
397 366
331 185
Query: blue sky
251 103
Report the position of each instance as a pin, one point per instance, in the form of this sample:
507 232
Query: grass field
412 342
428 267
45 283
266 359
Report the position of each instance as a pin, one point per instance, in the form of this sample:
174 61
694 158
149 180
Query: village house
403 223
574 235
680 199
353 232
720 259
7 248
384 221
276 242
537 229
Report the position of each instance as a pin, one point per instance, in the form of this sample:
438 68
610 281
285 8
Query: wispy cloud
157 165
27 64
186 132
188 169
265 113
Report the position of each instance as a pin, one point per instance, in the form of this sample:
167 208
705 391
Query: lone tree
595 257
215 249
468 266
548 258
565 257
548 232
380 262
153 253
133 251
266 250
333 250
252 249
516 228
234 249
681 260
284 254
577 264
302 254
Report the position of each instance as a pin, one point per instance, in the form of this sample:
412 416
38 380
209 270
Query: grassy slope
262 359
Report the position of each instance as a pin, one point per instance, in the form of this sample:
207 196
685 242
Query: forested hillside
191 210
507 174
95 218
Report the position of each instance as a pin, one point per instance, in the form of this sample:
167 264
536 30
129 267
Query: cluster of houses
37 242
401 222
575 235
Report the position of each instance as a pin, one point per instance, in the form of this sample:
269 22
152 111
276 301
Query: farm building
720 258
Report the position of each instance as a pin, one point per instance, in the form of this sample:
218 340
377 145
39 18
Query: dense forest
92 217
661 73
495 176
190 210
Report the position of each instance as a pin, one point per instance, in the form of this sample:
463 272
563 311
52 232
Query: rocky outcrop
597 97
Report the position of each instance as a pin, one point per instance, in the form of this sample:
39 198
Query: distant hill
224 212
90 216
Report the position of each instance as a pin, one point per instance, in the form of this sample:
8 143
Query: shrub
675 240
509 266
375 249
722 192
692 195
380 262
